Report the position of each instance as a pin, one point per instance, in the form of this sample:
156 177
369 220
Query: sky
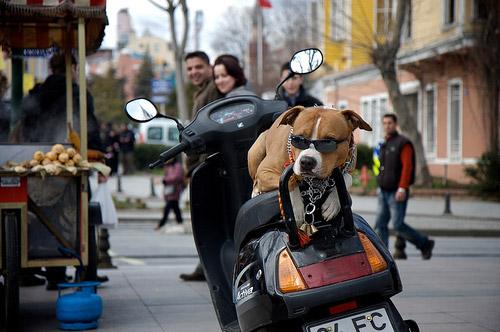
145 15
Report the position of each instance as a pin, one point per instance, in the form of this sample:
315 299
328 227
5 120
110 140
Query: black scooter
260 276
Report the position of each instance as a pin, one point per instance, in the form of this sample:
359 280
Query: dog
318 139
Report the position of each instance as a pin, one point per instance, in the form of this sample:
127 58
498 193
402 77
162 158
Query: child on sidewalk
173 187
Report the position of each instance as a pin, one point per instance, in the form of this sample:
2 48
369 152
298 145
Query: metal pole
153 194
118 182
260 20
445 175
447 209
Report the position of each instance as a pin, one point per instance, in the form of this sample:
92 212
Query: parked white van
159 131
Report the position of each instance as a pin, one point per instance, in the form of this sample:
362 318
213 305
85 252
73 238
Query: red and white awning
41 24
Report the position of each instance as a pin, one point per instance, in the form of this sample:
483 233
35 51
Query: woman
229 77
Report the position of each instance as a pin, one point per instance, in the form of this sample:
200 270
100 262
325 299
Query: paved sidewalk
467 218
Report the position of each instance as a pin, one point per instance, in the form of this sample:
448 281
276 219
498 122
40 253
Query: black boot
400 246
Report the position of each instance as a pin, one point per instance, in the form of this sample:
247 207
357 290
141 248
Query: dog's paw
331 206
298 206
255 193
348 180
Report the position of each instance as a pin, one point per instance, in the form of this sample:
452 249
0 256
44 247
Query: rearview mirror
141 110
306 61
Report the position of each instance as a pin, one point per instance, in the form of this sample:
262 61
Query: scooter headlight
288 275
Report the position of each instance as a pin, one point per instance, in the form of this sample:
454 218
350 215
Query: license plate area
375 319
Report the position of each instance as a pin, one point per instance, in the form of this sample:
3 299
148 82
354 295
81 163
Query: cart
41 212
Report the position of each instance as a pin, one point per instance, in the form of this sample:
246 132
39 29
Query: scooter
260 276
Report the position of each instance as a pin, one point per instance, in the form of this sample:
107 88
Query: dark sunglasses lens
325 146
300 142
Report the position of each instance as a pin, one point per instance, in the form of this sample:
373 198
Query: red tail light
336 270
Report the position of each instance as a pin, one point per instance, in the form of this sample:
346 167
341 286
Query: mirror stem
290 75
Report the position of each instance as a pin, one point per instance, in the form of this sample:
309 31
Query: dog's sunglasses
321 145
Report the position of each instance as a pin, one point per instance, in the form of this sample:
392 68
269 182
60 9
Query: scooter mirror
141 110
306 61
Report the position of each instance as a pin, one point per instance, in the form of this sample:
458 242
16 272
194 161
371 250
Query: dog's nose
307 163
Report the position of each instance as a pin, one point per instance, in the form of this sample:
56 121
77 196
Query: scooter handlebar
170 153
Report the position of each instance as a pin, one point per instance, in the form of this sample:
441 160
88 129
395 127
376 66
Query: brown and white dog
316 128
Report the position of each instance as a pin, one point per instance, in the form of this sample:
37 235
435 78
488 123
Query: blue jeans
387 207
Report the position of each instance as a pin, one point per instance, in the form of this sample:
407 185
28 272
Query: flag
264 4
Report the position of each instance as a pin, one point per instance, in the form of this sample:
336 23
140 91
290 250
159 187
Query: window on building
430 122
449 12
342 105
372 110
407 33
384 16
338 20
454 118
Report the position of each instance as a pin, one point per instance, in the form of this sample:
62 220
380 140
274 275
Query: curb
436 232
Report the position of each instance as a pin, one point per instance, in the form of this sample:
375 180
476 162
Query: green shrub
145 154
486 173
365 156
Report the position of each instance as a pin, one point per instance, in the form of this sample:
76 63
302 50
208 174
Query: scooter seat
255 213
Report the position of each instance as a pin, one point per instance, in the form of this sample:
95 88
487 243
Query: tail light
377 262
141 137
330 271
289 277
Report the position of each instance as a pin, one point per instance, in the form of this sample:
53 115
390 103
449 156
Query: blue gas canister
81 309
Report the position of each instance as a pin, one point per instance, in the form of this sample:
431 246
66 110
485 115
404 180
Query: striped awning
41 24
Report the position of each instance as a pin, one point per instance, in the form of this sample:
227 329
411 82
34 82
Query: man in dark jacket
43 111
396 174
293 92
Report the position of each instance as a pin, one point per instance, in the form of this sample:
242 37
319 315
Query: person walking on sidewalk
200 73
396 174
173 186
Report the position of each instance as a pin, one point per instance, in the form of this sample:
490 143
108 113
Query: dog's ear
356 120
290 115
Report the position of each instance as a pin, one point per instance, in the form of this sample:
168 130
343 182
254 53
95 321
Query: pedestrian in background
173 186
127 140
293 91
200 73
396 174
229 76
112 144
4 112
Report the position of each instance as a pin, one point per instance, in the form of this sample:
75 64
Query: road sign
160 99
160 85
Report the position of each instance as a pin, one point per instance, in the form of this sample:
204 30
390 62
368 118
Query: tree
382 48
384 55
142 84
178 47
486 55
108 97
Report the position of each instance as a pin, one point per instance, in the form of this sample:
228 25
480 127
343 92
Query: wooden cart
42 212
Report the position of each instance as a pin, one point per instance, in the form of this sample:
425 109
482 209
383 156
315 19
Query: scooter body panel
257 296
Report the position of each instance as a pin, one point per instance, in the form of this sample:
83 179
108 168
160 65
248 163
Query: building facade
438 73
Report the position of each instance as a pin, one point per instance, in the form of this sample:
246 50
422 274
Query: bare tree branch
180 85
